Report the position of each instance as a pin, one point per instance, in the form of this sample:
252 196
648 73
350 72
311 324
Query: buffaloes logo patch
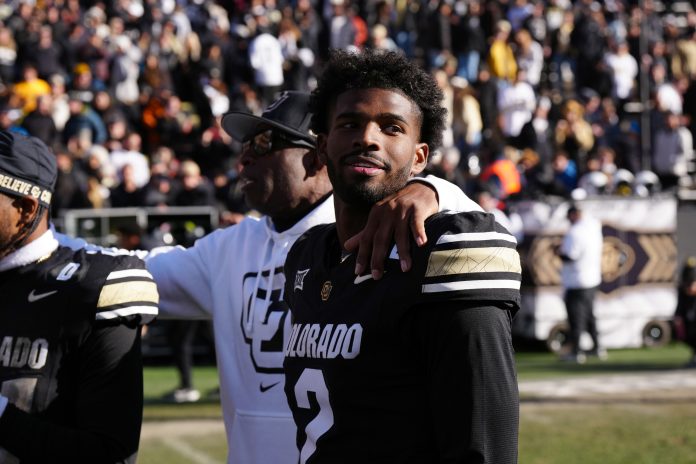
326 290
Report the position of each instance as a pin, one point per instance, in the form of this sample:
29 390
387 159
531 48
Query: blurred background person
530 56
471 42
40 123
516 104
565 175
673 151
8 58
501 58
195 190
624 69
581 253
180 335
266 58
127 193
29 88
573 133
685 315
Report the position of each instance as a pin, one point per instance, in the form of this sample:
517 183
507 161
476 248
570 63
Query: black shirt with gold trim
70 359
415 368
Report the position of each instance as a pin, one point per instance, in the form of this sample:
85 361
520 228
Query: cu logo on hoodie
265 322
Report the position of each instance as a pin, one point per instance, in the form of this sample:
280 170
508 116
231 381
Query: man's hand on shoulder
391 220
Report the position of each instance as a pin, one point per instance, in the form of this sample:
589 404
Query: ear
420 160
27 207
313 162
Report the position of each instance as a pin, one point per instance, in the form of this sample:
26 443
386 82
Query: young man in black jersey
417 367
70 369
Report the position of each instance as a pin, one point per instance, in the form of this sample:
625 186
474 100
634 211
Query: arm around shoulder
450 197
184 278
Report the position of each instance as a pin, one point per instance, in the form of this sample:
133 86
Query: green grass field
161 380
541 365
550 433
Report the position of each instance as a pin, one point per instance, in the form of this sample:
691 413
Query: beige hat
189 169
503 26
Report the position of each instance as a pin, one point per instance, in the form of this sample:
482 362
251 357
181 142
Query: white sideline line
189 452
610 384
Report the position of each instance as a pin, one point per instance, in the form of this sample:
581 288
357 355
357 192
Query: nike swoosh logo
264 388
38 296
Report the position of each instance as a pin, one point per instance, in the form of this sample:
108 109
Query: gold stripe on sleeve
473 260
128 292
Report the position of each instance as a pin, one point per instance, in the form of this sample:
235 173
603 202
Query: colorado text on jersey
329 342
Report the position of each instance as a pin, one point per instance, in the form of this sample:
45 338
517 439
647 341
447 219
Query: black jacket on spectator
469 36
122 198
71 190
202 195
41 126
48 60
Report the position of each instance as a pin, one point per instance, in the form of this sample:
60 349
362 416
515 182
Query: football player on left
71 387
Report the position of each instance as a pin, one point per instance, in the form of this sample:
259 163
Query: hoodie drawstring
277 253
249 324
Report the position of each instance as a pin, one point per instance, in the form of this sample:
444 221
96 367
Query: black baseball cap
27 167
289 113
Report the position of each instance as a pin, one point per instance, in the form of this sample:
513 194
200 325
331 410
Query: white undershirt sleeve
450 197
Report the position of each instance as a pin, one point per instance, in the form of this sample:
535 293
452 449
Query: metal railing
172 225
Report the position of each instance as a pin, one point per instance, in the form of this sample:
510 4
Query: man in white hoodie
234 276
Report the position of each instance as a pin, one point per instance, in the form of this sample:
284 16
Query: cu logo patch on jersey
265 322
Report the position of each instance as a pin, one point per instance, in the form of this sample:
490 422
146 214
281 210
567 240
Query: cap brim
241 126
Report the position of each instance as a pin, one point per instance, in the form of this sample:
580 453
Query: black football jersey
409 368
70 357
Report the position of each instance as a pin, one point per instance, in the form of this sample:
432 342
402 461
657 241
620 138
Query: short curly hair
383 70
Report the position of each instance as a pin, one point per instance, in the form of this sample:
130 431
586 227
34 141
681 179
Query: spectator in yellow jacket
29 88
501 58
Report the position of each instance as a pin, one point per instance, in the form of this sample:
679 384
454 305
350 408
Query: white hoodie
225 277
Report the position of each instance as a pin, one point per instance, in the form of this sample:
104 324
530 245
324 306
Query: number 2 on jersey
312 380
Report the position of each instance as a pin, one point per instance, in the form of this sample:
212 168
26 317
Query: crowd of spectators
554 97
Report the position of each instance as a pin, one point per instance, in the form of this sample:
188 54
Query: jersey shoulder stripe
473 257
123 288
464 285
472 237
127 293
146 313
473 261
130 274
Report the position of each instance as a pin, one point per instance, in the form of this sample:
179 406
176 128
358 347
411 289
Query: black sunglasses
269 141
